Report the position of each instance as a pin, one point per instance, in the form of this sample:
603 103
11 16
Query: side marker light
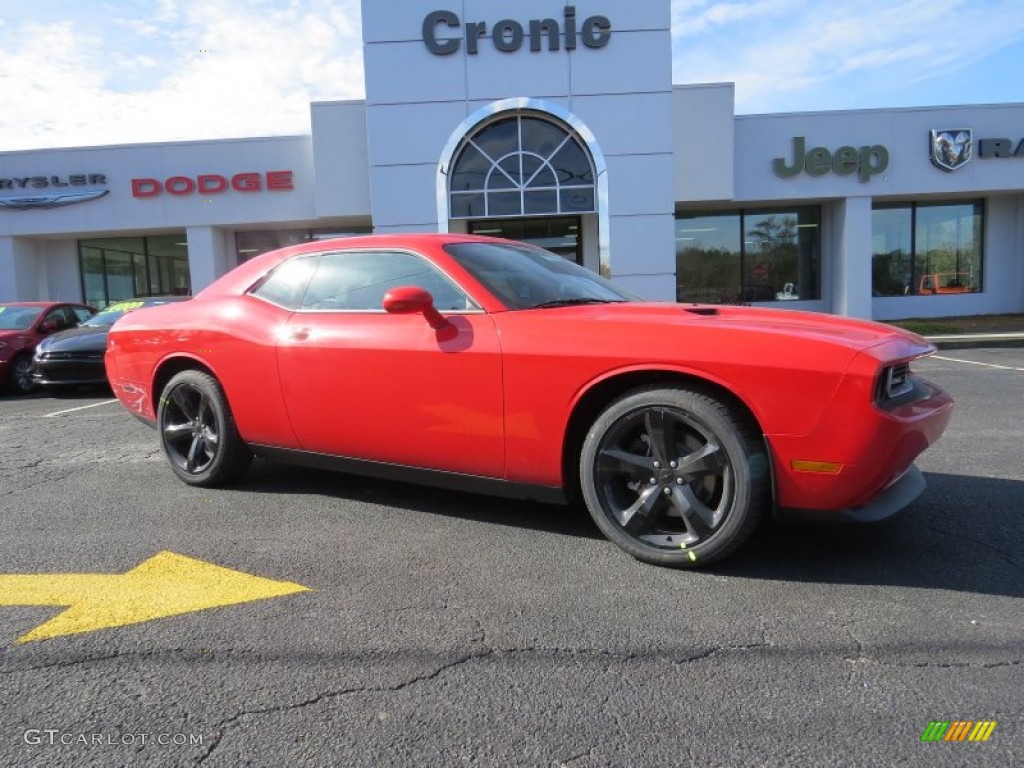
821 467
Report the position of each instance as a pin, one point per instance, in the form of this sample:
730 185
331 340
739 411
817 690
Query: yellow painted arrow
165 585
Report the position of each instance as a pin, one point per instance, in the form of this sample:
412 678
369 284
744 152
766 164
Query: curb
969 340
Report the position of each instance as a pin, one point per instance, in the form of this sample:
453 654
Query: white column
19 272
851 272
644 255
60 274
209 256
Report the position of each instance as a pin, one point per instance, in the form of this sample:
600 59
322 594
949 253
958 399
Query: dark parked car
75 357
23 325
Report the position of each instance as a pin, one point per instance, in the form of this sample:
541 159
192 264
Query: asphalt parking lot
438 628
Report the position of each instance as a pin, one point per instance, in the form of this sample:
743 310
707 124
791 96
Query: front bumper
69 371
874 447
897 497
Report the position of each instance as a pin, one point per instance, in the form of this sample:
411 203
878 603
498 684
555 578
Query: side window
62 316
286 285
358 280
81 313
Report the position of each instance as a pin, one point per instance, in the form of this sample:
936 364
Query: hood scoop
702 310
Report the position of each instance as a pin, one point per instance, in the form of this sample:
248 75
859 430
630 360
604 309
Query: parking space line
79 408
974 362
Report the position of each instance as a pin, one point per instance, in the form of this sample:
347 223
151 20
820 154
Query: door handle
298 334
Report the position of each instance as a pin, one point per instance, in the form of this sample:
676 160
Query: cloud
197 69
693 17
116 72
794 51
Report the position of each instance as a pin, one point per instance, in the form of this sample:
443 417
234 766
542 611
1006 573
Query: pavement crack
65 664
715 650
961 664
625 657
567 762
224 725
858 656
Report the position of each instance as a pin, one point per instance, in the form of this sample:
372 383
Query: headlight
897 385
896 381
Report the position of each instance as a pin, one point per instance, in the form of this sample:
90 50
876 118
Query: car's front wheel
198 433
21 375
674 476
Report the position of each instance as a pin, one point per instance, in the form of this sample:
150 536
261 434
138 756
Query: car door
59 318
364 383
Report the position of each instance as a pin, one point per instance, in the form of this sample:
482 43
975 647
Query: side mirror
49 326
411 299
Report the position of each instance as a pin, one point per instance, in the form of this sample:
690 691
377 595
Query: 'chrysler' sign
58 190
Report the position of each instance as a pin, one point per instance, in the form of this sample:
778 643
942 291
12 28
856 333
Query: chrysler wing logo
952 149
53 200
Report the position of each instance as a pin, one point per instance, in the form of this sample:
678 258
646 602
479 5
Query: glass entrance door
558 234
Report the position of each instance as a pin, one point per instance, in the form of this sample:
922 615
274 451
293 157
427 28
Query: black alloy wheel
674 477
21 375
198 433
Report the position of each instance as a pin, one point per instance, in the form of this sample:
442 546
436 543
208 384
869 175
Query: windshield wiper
573 302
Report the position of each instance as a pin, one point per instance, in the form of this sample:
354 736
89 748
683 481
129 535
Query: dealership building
560 125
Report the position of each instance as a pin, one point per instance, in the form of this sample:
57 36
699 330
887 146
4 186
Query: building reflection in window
749 256
926 249
118 268
253 243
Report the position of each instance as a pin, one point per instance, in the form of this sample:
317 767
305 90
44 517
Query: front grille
97 355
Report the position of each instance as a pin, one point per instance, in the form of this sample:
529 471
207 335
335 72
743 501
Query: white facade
436 74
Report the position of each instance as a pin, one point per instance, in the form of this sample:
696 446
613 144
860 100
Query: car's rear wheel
21 375
674 476
198 433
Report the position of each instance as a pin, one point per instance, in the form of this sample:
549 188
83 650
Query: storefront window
557 234
250 244
927 249
118 268
748 256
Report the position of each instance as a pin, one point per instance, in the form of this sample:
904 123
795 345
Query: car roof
39 303
149 300
242 276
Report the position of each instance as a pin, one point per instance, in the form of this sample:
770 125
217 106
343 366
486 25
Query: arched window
521 165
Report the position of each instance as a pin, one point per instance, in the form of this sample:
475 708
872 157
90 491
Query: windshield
112 313
18 318
525 277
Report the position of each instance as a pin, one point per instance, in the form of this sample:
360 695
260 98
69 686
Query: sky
97 72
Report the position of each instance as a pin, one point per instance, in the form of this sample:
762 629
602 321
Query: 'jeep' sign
865 161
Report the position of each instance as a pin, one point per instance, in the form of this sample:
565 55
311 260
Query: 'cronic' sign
508 35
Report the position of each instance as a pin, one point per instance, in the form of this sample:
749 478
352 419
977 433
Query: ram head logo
952 149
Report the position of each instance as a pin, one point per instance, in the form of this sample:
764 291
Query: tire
198 433
21 382
684 516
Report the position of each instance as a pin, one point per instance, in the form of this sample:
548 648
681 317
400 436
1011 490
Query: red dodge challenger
497 367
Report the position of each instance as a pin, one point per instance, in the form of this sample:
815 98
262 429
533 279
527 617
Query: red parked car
498 367
23 324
